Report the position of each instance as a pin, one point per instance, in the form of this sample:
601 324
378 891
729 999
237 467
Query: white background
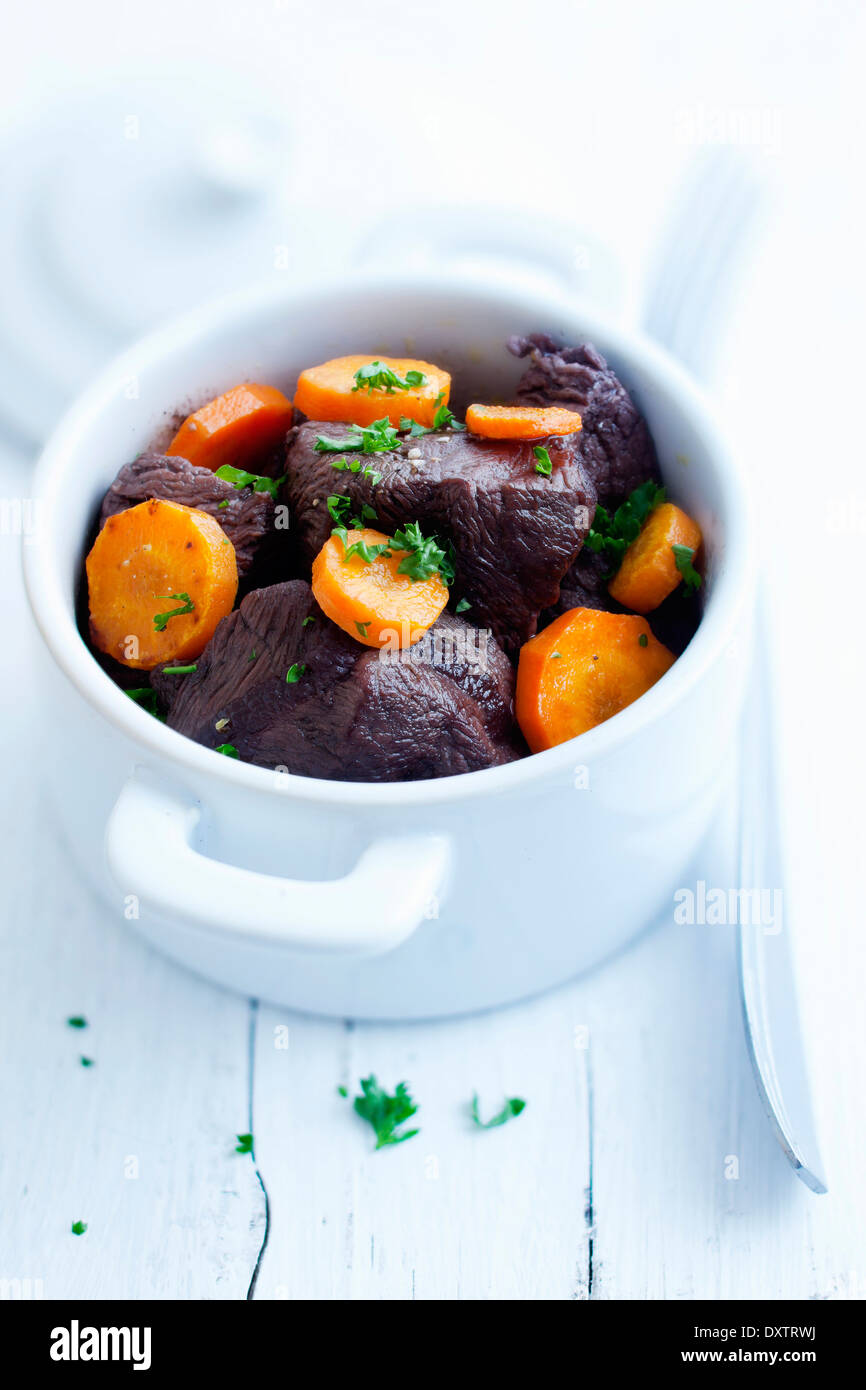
571 112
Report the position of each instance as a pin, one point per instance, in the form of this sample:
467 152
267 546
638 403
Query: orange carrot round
240 427
372 601
521 421
332 391
582 669
648 573
160 577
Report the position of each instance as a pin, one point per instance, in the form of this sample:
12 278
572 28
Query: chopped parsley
462 605
228 749
307 621
376 376
377 438
77 1022
78 1228
366 552
612 535
340 508
145 696
222 504
683 557
161 620
425 557
443 419
385 1113
294 673
544 465
354 466
244 1144
362 628
512 1107
643 640
240 479
180 670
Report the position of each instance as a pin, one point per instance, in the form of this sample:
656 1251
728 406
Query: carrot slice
372 601
582 669
160 576
240 427
648 572
331 391
521 421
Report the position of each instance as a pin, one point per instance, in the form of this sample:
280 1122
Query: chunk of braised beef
615 445
351 713
585 586
515 532
247 517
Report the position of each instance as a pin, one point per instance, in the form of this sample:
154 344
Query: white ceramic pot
394 901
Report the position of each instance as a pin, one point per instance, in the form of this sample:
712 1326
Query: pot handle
376 907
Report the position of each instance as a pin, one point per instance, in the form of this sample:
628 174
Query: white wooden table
615 1182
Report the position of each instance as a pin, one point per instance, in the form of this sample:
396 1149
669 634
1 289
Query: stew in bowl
357 583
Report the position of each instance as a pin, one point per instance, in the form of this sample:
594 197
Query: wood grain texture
455 1213
139 1146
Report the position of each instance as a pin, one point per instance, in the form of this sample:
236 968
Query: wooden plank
456 1213
140 1145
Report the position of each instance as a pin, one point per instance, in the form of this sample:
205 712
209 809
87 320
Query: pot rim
55 615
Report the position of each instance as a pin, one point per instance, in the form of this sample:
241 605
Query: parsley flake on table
244 1144
77 1022
376 376
79 1227
512 1107
683 557
87 1062
385 1113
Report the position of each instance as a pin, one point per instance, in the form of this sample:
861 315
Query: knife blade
768 986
